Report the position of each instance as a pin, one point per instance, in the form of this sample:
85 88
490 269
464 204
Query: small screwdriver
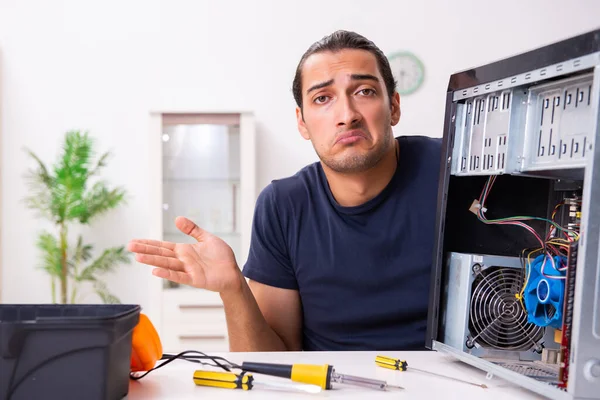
226 380
402 365
320 375
244 381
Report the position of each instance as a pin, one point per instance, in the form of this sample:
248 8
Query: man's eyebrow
362 77
355 77
319 86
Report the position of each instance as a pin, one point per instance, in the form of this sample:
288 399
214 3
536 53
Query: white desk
174 381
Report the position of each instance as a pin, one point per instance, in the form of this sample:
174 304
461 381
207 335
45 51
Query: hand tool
320 375
402 365
244 381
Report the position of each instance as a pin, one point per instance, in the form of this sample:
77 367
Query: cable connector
475 206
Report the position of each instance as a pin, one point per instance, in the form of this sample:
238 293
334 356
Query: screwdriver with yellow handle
402 365
321 375
244 381
227 380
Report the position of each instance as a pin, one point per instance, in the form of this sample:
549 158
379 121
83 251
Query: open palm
208 264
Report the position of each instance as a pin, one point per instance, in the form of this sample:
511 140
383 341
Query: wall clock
408 70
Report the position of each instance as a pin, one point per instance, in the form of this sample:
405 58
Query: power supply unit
515 286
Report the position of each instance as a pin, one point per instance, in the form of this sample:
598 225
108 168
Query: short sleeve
268 259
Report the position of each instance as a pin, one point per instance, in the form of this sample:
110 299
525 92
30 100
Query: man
340 252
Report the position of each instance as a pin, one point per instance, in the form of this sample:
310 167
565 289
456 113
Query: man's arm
265 314
260 316
263 318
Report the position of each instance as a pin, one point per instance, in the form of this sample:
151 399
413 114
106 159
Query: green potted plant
64 194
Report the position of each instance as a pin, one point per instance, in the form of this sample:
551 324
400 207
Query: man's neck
350 190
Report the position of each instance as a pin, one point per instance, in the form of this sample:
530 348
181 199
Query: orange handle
146 346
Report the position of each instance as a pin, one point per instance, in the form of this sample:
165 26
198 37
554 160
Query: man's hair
340 40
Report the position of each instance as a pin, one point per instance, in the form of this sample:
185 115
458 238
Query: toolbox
52 351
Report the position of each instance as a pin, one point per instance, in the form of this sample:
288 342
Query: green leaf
65 196
71 175
107 262
102 161
104 294
48 244
40 183
99 200
81 252
41 174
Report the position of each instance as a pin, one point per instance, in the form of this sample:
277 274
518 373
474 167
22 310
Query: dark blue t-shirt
362 272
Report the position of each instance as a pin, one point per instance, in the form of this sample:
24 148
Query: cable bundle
517 220
543 286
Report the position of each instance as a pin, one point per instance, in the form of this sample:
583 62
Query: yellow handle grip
319 375
226 380
391 363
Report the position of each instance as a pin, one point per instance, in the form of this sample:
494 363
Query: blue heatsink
542 293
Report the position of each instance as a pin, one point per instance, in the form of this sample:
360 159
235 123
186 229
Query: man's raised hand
207 264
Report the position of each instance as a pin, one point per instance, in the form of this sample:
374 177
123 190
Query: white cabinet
206 172
193 319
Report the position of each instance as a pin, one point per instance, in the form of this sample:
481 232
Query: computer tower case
515 286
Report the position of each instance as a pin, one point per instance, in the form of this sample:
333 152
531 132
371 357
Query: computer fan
545 290
497 318
484 313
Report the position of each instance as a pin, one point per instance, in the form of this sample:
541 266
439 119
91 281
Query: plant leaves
81 252
48 244
64 193
40 183
99 200
71 175
107 262
104 294
102 161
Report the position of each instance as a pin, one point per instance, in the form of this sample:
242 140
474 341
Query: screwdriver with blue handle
321 375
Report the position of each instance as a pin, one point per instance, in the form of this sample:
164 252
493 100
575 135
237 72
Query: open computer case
515 287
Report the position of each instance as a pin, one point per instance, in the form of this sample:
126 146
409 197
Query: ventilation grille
497 319
548 373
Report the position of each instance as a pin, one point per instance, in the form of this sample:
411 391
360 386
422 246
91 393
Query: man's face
346 108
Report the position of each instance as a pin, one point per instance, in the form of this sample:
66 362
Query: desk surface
174 381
